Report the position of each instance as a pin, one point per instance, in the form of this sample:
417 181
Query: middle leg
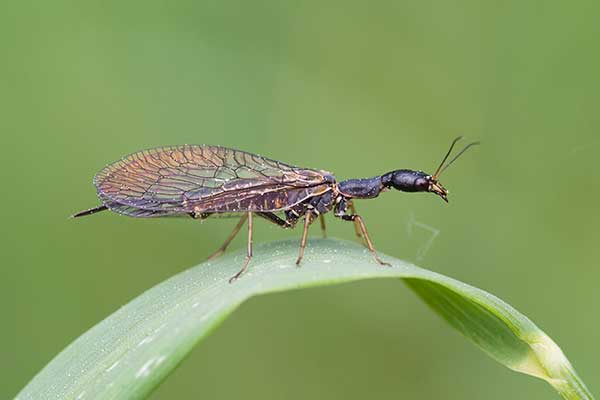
323 227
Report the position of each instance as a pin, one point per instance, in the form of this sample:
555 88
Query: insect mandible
200 181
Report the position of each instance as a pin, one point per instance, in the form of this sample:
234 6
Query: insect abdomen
257 200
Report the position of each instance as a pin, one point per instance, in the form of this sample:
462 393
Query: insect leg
274 218
249 256
232 235
356 224
323 227
307 221
357 218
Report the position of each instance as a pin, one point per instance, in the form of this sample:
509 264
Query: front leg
363 228
357 219
341 209
356 226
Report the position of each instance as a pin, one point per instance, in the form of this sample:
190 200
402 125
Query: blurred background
357 88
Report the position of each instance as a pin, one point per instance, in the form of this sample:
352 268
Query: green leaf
129 353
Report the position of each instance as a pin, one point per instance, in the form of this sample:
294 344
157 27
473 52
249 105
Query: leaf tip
545 360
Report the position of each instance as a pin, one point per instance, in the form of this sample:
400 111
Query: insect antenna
443 167
439 169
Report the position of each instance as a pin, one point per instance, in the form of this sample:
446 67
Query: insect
201 181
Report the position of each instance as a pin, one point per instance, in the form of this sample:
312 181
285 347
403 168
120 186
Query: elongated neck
366 188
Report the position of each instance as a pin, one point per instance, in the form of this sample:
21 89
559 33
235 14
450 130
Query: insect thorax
366 188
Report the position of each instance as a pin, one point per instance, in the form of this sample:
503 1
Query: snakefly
201 181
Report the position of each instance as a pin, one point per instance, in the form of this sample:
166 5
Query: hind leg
249 256
231 236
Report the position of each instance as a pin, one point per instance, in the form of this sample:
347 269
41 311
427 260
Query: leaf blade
129 353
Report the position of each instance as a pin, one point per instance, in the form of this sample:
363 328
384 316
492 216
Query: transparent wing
193 178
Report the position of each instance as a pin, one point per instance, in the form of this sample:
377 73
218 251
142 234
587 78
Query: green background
357 88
